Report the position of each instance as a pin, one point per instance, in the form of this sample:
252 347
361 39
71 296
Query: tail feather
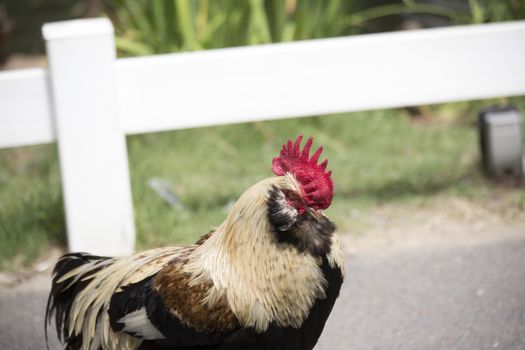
81 291
70 276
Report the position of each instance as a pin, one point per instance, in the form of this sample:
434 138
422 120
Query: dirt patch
44 265
444 222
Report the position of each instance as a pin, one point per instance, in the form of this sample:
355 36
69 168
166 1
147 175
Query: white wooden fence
88 100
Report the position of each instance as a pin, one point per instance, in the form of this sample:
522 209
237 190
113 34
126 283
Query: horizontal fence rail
88 100
374 71
25 108
321 76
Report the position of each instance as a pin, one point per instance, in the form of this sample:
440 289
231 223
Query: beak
316 214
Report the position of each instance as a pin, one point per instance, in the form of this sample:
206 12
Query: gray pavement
458 296
469 297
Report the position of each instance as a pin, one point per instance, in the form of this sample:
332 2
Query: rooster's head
296 201
316 188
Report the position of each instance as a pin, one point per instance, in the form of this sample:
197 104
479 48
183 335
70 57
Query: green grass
31 210
376 157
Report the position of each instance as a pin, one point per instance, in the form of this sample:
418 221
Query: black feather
280 217
307 232
176 334
131 298
63 294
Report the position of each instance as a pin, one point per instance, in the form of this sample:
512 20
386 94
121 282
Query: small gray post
92 147
501 141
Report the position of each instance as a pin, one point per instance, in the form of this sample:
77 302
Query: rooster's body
266 278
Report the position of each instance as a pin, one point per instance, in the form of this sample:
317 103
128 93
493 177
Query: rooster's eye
291 196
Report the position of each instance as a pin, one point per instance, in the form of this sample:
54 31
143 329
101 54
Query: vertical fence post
91 141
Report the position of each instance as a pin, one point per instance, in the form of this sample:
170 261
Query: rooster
266 278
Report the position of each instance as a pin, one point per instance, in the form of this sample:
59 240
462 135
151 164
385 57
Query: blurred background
392 168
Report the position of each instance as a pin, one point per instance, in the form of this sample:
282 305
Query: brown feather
187 301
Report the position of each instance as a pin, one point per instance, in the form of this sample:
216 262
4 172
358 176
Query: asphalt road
468 297
458 296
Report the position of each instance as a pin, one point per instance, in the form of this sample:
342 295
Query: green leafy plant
146 27
483 11
149 27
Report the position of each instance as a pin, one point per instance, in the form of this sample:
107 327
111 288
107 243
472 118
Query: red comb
316 183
